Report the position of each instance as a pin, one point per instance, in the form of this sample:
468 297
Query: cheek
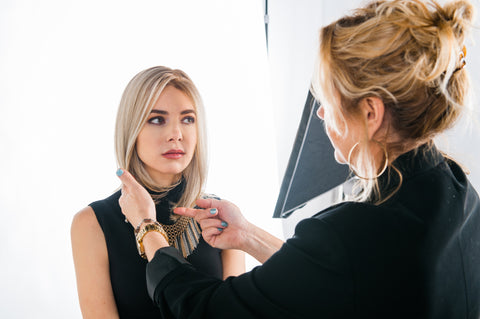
192 138
140 144
338 145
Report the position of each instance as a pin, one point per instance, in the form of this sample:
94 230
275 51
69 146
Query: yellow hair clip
463 62
463 55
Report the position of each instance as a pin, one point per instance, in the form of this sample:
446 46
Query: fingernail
119 172
220 229
224 224
213 211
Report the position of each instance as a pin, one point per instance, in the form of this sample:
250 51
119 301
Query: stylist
390 77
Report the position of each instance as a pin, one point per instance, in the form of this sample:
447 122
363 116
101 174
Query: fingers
210 232
198 214
189 212
207 202
207 218
135 201
210 235
213 223
127 179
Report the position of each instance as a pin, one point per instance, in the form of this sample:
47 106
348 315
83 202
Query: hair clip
463 61
463 55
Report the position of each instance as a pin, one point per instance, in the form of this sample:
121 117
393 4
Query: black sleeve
308 277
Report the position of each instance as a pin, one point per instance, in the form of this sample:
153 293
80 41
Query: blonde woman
160 138
390 77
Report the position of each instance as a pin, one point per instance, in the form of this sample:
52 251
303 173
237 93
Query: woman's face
167 141
341 143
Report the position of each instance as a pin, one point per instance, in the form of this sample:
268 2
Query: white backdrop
63 67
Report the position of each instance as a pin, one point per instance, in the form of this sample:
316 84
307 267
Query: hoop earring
384 166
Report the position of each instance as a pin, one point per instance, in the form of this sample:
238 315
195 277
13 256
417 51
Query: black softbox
312 169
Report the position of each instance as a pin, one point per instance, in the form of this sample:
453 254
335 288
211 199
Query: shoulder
363 230
321 232
84 217
316 242
85 229
106 208
353 221
109 202
367 215
347 211
92 217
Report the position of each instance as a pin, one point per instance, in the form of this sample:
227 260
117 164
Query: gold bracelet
143 231
145 221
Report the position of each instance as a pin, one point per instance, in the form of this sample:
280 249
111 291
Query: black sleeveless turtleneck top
127 268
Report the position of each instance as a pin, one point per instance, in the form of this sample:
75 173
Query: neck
166 181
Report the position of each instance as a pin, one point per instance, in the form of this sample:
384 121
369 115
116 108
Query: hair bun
459 14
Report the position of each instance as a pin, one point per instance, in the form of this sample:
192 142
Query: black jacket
415 256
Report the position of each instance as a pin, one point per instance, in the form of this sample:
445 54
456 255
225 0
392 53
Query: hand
136 202
231 236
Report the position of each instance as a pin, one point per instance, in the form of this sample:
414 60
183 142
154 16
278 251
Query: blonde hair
405 52
135 106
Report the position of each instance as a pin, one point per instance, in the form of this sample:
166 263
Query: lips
173 154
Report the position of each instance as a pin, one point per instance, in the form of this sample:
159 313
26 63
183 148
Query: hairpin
463 62
463 55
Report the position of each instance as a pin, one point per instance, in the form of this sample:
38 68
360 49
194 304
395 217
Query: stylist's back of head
391 77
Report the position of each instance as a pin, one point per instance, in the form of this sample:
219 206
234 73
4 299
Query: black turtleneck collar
165 204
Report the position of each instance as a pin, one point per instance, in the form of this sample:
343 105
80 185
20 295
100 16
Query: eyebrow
166 113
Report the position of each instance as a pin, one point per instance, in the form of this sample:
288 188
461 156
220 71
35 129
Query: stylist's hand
232 234
136 202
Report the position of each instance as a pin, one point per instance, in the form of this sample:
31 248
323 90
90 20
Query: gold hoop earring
384 166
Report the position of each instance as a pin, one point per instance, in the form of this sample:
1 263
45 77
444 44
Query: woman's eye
158 120
188 120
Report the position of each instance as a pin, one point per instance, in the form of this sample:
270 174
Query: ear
373 111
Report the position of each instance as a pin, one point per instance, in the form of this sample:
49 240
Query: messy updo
408 54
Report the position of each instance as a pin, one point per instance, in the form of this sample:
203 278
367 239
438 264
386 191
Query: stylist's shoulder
318 238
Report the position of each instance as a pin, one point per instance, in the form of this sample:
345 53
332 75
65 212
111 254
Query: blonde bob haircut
408 54
135 106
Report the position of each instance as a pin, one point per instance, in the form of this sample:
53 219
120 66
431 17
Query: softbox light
312 169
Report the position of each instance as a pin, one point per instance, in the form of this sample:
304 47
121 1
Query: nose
175 133
320 112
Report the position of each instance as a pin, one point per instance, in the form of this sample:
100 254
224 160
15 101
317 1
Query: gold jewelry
384 166
145 221
176 229
148 227
184 235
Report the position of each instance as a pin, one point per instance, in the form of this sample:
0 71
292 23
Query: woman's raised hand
222 223
136 202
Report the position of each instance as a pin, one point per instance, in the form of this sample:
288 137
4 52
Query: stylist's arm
137 206
292 279
239 234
